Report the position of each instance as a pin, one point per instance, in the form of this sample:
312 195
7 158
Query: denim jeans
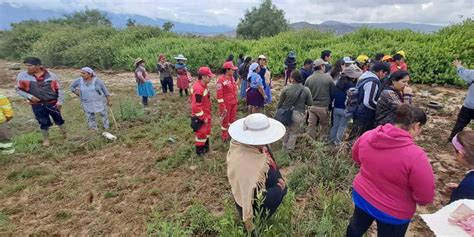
43 112
339 125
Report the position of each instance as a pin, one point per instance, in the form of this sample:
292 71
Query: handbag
285 115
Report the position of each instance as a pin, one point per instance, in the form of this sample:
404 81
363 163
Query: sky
229 12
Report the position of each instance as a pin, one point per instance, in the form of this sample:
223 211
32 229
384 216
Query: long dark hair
396 76
337 69
342 82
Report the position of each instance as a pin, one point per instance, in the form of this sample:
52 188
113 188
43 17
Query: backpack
355 96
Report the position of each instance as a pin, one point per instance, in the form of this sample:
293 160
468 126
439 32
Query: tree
167 26
131 22
85 18
265 21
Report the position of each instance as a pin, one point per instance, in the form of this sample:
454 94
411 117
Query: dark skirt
254 98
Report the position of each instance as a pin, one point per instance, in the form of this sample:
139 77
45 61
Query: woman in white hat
145 87
94 96
183 75
251 167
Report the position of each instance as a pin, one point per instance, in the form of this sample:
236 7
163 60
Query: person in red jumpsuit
227 98
201 110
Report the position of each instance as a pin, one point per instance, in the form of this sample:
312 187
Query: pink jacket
395 174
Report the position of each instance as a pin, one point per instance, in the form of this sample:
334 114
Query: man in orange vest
227 98
201 110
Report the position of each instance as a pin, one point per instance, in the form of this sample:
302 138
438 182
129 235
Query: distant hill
10 14
342 28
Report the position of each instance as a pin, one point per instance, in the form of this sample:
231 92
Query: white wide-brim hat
180 57
257 129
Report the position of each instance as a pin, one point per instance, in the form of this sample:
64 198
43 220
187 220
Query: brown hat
352 71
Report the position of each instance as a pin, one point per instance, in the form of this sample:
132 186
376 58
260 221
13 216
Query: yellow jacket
6 110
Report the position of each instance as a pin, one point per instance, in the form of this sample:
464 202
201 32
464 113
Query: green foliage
84 18
131 22
200 220
26 173
167 26
96 44
265 21
160 226
130 111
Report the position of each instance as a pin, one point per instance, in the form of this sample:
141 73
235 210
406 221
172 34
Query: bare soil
115 190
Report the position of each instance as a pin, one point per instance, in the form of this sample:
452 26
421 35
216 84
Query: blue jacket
465 190
468 76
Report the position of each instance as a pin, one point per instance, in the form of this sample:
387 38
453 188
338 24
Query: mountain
342 28
10 14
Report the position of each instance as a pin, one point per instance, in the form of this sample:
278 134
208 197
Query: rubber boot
63 131
206 147
46 141
200 150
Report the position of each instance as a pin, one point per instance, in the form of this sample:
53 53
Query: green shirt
322 88
289 95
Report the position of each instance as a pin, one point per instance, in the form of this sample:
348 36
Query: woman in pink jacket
395 175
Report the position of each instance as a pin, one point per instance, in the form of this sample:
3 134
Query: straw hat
257 129
138 60
180 57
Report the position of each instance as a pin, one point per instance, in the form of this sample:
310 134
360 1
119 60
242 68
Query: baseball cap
262 56
348 60
229 65
205 71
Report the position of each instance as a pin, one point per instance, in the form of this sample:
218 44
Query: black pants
145 100
360 126
181 92
361 221
464 118
167 84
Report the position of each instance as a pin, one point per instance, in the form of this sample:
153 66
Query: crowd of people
395 174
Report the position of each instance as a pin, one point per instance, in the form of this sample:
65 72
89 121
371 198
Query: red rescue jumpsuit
227 99
201 107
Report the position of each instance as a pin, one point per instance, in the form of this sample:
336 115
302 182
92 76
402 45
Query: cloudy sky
228 12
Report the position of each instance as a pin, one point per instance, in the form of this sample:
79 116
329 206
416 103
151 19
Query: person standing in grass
94 97
6 114
243 82
297 96
265 74
346 81
41 88
183 75
201 110
466 114
145 87
257 186
307 69
395 175
255 93
397 92
463 144
227 98
321 86
290 65
164 68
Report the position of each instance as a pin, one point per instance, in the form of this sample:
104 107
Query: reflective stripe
222 128
205 92
200 113
220 100
201 140
6 145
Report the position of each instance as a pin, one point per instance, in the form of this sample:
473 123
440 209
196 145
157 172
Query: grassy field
145 183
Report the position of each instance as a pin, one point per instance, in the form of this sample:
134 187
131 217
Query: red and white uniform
227 99
201 107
